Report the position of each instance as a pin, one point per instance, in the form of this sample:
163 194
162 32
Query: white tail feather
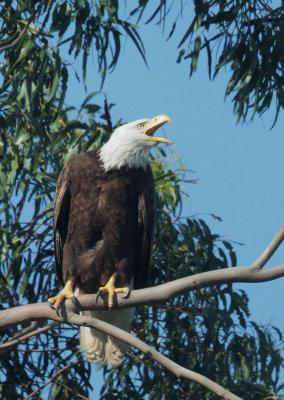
100 347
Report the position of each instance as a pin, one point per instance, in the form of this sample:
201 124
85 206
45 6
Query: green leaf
132 32
195 54
56 65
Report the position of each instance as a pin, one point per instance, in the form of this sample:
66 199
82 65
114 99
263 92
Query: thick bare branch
175 368
270 250
159 294
149 296
155 295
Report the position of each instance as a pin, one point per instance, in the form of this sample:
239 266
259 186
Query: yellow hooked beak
152 125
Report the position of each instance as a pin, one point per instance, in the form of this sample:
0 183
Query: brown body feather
103 227
103 223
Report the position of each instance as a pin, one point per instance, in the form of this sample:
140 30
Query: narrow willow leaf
56 65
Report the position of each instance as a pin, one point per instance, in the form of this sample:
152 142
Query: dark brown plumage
103 223
103 228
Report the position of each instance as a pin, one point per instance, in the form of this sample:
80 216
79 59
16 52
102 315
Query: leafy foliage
27 273
38 132
245 35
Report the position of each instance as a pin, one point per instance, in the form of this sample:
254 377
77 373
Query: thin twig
72 391
53 377
14 342
16 41
24 331
46 350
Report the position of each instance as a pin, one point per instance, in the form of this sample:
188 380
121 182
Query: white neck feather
132 152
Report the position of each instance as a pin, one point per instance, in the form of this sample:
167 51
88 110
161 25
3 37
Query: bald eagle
103 227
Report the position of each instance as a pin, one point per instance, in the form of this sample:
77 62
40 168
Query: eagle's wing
146 217
60 218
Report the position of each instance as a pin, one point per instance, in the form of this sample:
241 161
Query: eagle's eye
140 126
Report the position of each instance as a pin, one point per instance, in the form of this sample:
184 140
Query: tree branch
16 41
175 368
24 335
159 294
68 389
270 250
149 296
126 337
154 295
53 377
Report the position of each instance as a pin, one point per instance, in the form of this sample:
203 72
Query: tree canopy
245 35
209 330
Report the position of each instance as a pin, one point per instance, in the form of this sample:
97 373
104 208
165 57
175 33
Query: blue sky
240 168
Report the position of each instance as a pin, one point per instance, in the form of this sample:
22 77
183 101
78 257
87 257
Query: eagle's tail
100 347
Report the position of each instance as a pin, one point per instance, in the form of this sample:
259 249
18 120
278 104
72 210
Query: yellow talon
110 289
66 293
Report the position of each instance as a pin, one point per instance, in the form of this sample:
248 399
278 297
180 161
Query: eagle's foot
110 289
66 293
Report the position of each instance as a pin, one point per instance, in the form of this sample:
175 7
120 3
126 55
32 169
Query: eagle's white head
129 145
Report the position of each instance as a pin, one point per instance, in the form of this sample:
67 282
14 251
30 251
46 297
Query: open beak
154 124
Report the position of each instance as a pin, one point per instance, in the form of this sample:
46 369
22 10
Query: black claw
73 299
51 306
98 294
126 294
58 309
